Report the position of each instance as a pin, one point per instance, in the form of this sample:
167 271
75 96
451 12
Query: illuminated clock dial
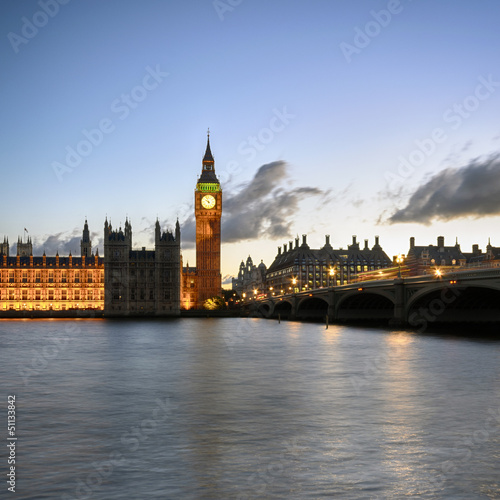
208 201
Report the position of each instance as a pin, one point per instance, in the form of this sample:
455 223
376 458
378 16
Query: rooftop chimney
279 250
353 240
412 241
441 243
366 245
284 248
304 239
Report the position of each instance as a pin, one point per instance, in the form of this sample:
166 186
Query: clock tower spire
208 168
208 212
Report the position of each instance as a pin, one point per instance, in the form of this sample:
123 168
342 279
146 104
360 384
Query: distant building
251 278
427 259
424 259
29 283
493 255
476 257
298 267
140 281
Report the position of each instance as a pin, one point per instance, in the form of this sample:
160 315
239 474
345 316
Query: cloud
263 208
227 279
66 242
188 233
473 190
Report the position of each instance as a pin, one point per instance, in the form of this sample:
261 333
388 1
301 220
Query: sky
337 117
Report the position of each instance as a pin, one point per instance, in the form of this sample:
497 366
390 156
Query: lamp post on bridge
331 276
400 259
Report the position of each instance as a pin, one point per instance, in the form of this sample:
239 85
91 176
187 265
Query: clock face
208 201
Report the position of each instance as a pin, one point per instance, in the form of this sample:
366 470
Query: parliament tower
208 211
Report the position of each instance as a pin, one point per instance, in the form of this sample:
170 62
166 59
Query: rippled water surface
249 408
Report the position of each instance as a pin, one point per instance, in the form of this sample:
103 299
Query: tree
214 303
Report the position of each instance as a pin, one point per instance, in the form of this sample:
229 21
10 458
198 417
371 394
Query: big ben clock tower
208 211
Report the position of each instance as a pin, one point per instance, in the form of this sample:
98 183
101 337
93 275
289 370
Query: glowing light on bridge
399 260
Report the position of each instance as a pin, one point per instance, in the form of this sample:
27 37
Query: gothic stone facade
251 278
141 282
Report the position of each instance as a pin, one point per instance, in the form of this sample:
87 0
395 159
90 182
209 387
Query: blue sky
334 95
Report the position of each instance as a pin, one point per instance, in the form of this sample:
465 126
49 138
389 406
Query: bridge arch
265 308
452 303
283 308
312 308
365 305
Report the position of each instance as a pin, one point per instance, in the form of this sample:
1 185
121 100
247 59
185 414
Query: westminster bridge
471 295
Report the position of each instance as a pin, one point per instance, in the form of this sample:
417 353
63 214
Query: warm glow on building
51 283
42 284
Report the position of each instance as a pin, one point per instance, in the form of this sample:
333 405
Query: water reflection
258 410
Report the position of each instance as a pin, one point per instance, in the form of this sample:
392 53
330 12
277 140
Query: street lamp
331 275
400 259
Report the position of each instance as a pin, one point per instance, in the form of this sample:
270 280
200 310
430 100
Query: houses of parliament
126 281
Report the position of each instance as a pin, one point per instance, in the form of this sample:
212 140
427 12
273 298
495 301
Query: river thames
249 408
